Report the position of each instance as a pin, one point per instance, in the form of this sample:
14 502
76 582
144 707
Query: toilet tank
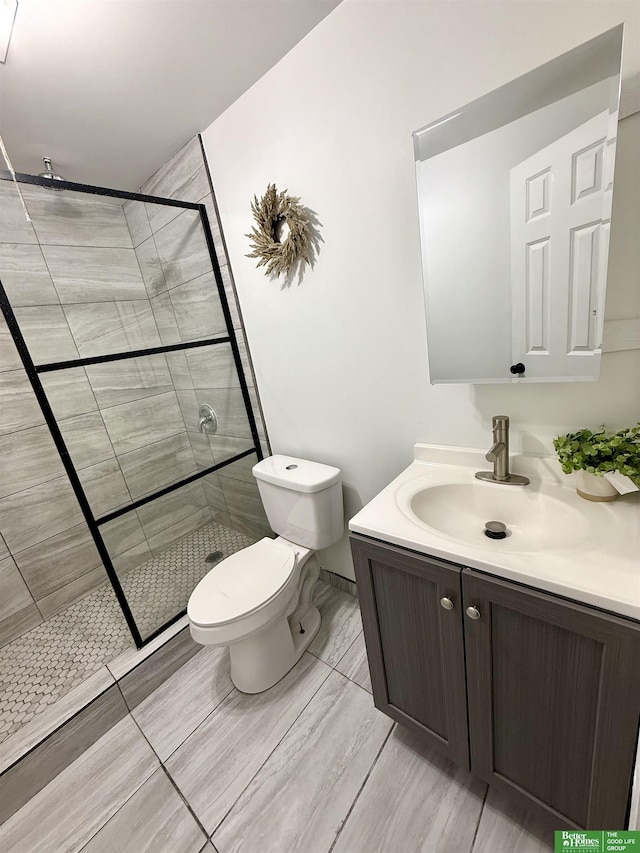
302 499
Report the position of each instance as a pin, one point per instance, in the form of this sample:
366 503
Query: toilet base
261 660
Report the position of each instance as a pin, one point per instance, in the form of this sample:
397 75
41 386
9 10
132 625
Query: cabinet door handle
446 603
473 612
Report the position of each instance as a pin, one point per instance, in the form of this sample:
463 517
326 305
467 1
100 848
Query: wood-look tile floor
309 766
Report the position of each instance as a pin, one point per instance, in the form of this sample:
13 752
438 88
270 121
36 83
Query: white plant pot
594 488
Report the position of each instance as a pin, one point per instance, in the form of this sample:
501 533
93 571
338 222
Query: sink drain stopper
495 530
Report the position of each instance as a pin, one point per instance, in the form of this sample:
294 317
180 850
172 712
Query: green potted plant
593 454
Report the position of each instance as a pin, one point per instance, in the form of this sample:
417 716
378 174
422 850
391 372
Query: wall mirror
514 193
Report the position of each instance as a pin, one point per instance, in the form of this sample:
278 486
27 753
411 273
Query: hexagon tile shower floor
47 662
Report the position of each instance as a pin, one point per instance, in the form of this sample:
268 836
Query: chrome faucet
499 455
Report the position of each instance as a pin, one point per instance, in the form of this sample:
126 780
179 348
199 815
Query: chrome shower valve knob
207 419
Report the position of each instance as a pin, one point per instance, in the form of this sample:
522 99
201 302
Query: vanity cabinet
538 695
414 645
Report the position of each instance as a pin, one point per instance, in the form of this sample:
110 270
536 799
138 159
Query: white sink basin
537 518
556 541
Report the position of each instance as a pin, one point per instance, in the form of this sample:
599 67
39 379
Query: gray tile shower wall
47 556
18 611
180 281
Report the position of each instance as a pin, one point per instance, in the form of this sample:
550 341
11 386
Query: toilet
258 601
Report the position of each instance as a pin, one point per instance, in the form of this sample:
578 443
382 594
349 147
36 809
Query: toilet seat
242 583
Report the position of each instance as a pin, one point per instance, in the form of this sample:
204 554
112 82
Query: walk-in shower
115 490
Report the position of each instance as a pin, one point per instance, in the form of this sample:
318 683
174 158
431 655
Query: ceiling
110 89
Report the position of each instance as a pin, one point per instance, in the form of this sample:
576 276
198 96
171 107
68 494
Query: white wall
341 358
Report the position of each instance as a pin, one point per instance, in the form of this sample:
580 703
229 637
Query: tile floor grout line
302 710
202 722
167 774
130 714
187 804
317 657
360 790
368 692
481 812
117 811
335 668
140 729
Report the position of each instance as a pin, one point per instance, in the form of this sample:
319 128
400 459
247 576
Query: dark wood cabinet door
554 701
414 645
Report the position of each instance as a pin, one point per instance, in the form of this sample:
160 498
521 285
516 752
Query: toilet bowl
258 600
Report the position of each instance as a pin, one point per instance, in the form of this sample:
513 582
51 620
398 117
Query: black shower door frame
35 371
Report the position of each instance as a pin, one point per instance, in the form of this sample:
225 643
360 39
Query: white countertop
602 569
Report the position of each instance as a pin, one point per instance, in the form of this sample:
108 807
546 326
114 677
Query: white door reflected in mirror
515 194
560 218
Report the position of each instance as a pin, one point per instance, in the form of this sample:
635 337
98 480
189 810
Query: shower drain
213 557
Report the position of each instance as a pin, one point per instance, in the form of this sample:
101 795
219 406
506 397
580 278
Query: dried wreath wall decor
271 212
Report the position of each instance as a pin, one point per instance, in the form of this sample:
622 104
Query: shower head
49 174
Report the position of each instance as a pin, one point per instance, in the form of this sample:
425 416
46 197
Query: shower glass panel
138 431
117 304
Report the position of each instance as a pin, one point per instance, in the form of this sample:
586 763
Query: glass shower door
126 337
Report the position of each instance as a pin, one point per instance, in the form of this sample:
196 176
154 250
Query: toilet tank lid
299 475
